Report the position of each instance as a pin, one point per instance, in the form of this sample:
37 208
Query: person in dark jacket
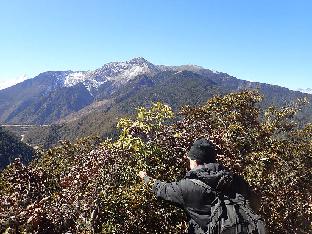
215 200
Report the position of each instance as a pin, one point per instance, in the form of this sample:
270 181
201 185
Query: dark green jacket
196 199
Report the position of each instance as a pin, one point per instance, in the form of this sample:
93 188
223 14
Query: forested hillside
175 88
92 186
11 147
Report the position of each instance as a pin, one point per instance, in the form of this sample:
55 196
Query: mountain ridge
54 96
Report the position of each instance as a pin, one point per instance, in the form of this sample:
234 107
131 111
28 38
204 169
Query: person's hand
142 174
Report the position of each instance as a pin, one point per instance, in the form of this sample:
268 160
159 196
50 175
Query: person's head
201 152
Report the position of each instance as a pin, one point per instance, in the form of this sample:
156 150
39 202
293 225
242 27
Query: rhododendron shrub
92 186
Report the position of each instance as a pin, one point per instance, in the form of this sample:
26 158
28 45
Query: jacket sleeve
169 191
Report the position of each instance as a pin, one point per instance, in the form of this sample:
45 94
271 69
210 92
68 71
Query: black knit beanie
203 151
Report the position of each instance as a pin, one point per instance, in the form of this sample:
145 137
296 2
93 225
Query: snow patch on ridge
308 90
116 72
128 74
74 78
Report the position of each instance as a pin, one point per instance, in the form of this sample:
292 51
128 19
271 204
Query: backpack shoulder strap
200 183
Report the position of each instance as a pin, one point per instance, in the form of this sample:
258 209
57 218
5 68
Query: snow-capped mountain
119 73
116 72
308 90
54 95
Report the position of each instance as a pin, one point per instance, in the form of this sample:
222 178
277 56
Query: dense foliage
93 186
11 147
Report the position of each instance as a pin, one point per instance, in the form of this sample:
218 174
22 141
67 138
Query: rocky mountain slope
89 102
51 96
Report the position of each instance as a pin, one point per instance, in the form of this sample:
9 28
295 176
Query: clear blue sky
266 40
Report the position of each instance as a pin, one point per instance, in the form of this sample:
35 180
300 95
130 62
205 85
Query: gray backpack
231 215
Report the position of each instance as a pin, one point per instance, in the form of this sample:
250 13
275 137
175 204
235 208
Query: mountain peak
138 60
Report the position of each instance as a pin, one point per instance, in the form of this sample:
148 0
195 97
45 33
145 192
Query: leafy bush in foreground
93 187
